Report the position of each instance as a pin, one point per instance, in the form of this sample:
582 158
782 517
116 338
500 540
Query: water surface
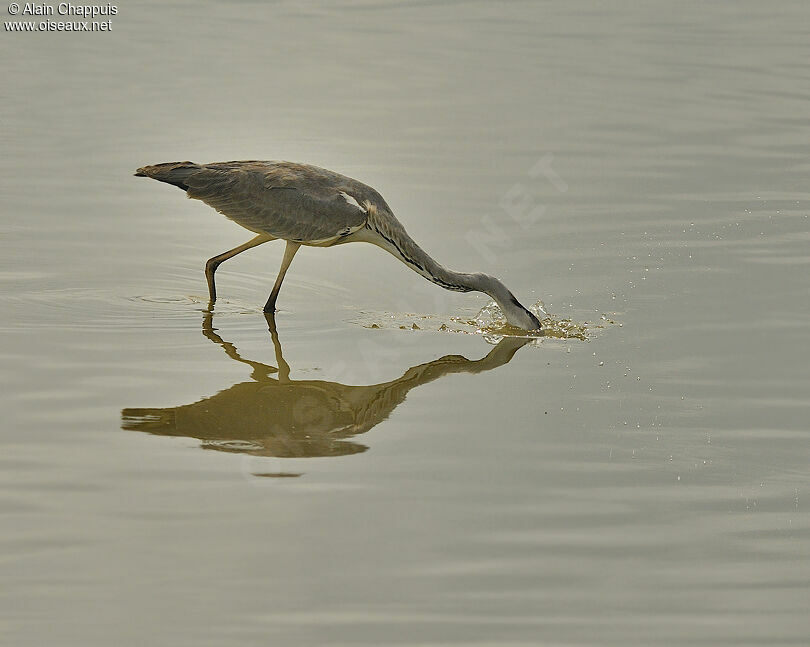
641 171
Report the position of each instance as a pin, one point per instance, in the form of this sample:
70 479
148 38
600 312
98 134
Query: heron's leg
289 252
213 263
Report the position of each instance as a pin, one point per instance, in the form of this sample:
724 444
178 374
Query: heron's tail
174 173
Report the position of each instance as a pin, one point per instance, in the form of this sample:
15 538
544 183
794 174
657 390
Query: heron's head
515 313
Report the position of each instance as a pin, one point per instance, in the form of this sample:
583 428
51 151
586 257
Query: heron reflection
273 415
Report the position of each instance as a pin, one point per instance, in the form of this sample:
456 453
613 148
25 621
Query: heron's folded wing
286 206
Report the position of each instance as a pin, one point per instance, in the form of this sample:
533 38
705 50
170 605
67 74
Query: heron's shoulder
320 182
313 181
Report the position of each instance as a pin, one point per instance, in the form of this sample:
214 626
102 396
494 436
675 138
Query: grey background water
648 486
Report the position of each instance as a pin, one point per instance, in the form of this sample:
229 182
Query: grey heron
308 205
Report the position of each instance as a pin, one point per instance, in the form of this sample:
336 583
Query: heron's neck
389 234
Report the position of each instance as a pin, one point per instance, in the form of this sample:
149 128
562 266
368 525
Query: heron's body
308 205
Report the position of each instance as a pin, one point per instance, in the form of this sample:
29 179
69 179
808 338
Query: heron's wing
288 201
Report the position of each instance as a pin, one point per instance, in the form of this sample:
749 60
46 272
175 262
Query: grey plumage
289 201
308 205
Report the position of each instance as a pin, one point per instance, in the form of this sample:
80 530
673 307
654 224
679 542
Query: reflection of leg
213 263
289 252
261 372
283 367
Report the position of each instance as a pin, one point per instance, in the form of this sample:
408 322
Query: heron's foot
211 266
270 306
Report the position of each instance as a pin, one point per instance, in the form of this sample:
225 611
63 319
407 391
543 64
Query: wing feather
290 201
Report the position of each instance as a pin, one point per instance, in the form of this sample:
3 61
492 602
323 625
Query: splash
490 323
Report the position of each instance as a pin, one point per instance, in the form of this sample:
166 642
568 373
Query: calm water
177 479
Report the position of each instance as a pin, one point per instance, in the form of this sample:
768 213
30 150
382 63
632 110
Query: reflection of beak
505 349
